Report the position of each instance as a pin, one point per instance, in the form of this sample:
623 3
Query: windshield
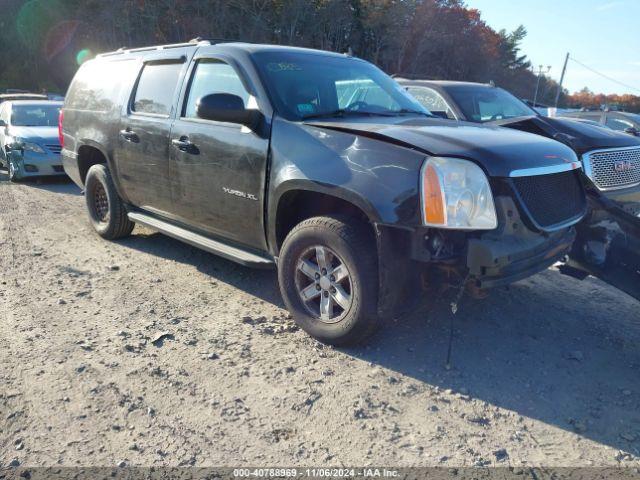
304 85
35 115
484 104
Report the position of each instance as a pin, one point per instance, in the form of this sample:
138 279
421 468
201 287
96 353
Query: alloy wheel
323 283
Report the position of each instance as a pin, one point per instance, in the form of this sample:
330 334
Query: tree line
586 99
43 41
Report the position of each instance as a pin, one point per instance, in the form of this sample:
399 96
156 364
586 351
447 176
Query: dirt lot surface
149 352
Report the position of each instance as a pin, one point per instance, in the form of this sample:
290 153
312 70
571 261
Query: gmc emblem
623 166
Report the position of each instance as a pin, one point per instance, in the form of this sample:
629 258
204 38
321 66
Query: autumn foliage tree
588 100
44 40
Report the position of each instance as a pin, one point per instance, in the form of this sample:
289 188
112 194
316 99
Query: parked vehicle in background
587 121
30 146
6 97
318 163
611 161
547 110
541 108
621 121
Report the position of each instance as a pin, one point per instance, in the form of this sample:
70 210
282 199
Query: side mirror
631 131
225 107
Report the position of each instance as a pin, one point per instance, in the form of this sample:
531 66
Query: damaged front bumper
513 252
28 164
495 262
410 260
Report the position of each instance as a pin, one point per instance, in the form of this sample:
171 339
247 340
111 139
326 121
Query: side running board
234 254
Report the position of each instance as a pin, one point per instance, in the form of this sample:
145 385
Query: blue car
29 142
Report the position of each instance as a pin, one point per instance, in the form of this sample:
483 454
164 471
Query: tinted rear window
156 88
98 84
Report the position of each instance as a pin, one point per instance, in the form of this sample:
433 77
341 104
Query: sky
602 34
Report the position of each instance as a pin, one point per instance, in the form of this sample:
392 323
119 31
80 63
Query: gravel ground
149 352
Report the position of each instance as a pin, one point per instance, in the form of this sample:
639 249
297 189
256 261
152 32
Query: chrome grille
54 148
613 168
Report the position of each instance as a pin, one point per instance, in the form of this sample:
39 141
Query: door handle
184 145
129 135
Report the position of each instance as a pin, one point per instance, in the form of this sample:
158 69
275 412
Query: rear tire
107 213
328 277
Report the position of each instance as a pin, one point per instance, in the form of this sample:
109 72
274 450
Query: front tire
14 175
107 213
328 277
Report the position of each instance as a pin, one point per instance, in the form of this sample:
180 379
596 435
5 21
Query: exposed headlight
32 147
456 194
19 144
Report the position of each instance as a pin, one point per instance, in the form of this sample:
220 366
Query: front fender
380 178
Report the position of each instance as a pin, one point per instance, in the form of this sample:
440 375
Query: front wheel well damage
88 156
298 205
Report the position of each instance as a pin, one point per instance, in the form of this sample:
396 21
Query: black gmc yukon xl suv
271 155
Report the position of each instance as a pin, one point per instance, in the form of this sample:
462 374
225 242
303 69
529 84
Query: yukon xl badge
623 166
238 193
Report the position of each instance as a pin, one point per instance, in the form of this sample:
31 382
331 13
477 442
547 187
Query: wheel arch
397 274
298 200
89 154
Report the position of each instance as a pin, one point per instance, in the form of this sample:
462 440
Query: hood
500 151
39 135
581 137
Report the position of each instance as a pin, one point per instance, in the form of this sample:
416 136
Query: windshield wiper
341 112
417 112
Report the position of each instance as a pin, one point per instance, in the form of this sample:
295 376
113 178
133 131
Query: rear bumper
70 164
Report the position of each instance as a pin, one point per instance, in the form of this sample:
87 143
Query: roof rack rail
191 43
215 40
411 76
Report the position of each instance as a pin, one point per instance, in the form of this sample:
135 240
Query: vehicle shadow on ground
550 348
62 185
259 283
567 358
57 184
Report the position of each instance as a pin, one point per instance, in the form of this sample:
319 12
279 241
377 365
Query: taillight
60 135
